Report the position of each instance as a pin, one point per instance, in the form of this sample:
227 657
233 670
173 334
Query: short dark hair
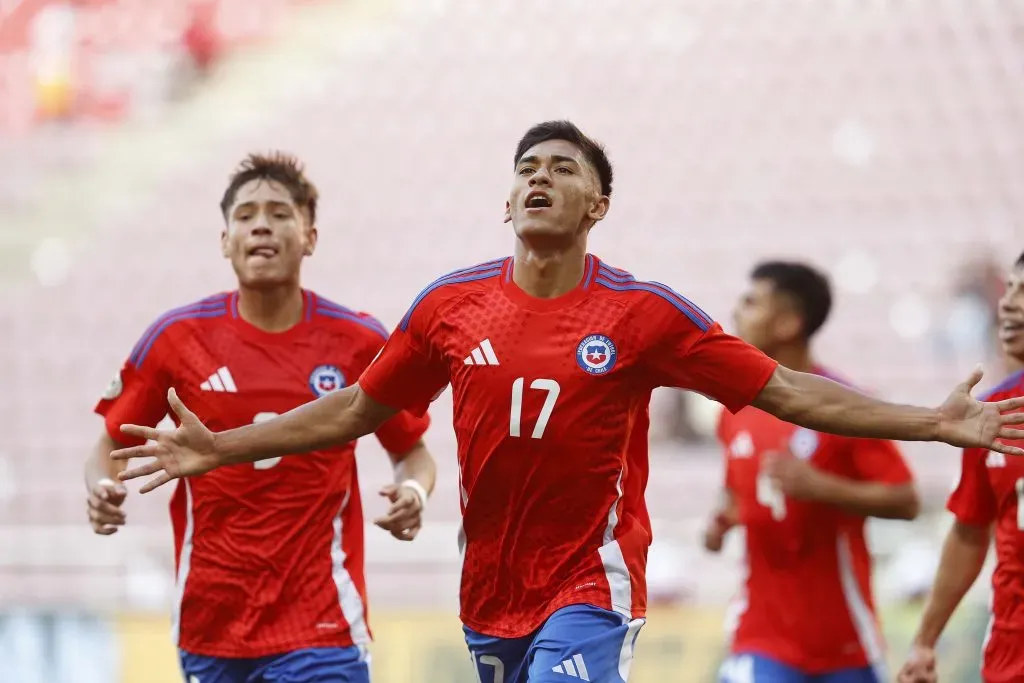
808 287
592 150
1020 261
279 167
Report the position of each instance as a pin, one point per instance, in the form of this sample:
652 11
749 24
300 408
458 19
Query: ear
599 209
508 212
224 243
788 326
311 238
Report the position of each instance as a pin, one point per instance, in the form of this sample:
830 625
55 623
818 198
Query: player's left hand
405 516
967 422
793 477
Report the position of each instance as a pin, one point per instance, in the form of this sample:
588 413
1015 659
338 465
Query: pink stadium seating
738 130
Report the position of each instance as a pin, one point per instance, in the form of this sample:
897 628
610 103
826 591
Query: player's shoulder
620 283
457 284
1011 387
341 319
182 320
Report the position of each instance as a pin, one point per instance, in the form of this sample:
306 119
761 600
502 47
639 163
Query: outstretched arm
337 418
820 404
192 449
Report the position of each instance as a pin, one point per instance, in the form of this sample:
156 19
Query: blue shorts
576 642
312 665
752 668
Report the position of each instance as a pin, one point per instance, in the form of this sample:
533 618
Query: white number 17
516 417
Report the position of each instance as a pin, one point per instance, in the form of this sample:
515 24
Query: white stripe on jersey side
229 381
184 564
863 620
349 600
462 534
989 626
615 570
738 605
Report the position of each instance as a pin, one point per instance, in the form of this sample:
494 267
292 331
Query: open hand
967 422
919 667
405 516
104 504
183 452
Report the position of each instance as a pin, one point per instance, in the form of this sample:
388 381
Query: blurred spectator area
881 141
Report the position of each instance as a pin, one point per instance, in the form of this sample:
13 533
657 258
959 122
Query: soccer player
990 496
552 355
806 612
269 555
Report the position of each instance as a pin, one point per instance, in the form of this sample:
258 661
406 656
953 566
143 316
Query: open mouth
538 200
263 252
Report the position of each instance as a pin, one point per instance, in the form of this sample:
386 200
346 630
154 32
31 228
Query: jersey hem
485 629
804 665
267 651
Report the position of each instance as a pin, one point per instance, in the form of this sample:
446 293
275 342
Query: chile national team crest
596 354
326 378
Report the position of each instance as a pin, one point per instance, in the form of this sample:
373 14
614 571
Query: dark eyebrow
557 158
272 203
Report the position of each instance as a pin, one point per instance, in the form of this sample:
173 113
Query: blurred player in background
806 611
269 555
552 356
990 495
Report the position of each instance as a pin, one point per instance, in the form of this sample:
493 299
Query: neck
271 310
796 357
547 272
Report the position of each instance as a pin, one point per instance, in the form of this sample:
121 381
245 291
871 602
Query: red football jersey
807 598
269 554
550 413
991 491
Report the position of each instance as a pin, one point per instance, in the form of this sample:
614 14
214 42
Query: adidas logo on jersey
574 668
995 459
220 381
482 354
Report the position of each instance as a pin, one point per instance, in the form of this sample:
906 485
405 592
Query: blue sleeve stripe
496 263
589 272
622 277
1007 384
615 275
204 309
341 313
471 275
617 271
696 316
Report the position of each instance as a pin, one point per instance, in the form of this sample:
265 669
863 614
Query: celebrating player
989 495
552 356
806 612
269 555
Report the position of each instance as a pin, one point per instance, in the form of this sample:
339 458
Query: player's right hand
919 667
186 451
104 503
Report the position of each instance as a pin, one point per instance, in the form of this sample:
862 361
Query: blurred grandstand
878 139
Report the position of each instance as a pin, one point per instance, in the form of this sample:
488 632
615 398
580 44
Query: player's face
556 194
1011 316
267 235
764 319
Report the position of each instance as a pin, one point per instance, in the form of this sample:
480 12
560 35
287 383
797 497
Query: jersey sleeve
689 350
138 392
880 461
411 369
973 501
399 434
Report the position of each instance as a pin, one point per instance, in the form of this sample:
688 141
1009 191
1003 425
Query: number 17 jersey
551 414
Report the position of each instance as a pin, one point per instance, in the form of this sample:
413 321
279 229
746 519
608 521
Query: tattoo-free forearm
869 499
416 464
99 465
334 419
963 555
823 405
